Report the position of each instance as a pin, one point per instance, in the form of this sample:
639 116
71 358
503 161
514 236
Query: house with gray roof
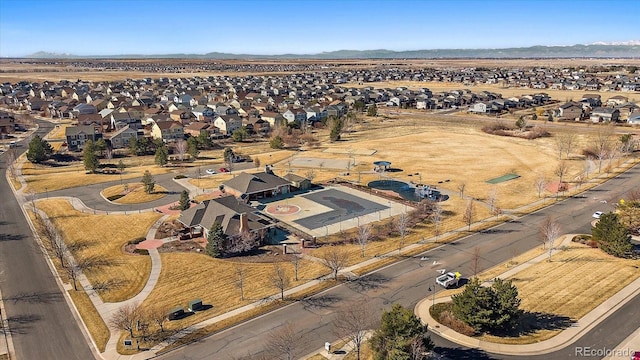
256 186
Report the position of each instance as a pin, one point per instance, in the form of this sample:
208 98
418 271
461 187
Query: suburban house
77 136
600 114
480 107
570 111
167 131
196 128
273 118
227 124
235 218
256 186
121 137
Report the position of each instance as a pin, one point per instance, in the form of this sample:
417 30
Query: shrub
449 320
178 177
136 241
141 251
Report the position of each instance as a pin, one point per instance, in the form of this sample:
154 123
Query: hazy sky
84 27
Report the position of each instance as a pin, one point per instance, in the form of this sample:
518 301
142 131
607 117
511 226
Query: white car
597 214
210 171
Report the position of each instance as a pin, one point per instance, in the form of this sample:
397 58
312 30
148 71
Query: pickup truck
448 280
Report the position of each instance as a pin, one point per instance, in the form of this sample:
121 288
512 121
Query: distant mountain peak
626 43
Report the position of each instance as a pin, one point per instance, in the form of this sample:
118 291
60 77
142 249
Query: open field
187 276
41 178
101 238
133 193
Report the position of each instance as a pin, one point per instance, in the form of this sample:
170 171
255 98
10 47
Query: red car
223 169
636 356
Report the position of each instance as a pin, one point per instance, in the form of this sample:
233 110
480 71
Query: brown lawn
186 276
97 328
103 237
133 193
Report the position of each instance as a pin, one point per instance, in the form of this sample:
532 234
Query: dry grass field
133 193
41 178
187 276
102 237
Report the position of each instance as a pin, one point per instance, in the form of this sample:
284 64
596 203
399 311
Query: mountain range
597 50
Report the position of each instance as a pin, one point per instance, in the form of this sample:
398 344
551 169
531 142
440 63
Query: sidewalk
564 338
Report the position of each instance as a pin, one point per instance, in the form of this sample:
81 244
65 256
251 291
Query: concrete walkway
564 338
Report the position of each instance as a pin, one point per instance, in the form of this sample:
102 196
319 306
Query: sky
152 27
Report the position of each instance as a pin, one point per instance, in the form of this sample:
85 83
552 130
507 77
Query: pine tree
276 142
89 157
185 203
39 150
612 236
148 182
162 156
216 241
399 329
192 147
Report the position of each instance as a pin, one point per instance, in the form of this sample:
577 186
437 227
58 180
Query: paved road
42 326
407 282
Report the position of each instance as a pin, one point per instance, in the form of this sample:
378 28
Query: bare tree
363 236
353 321
238 281
461 189
295 260
469 213
402 226
561 170
565 143
75 268
52 242
256 162
494 209
549 231
310 174
474 265
181 148
279 278
125 318
282 342
157 315
587 168
436 217
335 259
243 242
603 143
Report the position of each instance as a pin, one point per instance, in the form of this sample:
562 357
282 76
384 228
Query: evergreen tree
336 130
372 110
276 142
228 155
216 241
89 157
204 140
39 150
491 309
612 236
100 146
133 145
185 203
162 156
399 330
148 182
192 147
240 134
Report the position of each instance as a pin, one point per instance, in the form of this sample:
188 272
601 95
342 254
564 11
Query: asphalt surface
408 281
41 323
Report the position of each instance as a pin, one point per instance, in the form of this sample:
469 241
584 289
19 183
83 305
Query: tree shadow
319 302
20 324
34 297
531 322
462 353
11 237
368 282
108 285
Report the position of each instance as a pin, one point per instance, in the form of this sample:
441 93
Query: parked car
636 356
448 280
597 214
210 171
223 169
